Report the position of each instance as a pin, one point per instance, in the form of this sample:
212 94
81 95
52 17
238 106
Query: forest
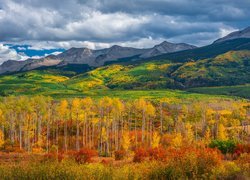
210 138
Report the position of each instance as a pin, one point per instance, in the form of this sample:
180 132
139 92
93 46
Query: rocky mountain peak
166 47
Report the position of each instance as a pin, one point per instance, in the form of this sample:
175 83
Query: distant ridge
245 33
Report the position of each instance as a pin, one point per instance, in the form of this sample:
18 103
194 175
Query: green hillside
240 90
231 68
49 84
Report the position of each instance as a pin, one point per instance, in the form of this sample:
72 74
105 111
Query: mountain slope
16 66
245 33
231 68
209 51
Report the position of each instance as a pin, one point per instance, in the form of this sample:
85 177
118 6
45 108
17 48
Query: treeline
110 124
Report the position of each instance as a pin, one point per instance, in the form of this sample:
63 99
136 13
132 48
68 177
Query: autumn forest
124 90
140 130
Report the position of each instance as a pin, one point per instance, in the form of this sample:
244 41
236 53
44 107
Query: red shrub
85 155
207 159
60 157
140 155
120 154
71 153
191 160
242 148
157 154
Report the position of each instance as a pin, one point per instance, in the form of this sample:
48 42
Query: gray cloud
101 23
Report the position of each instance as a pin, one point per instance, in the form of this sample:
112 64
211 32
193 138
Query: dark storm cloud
224 10
106 22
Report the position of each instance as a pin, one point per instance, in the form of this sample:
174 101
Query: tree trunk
77 135
65 136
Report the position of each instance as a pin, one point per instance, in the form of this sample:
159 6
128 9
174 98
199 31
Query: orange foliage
158 153
242 148
140 155
120 154
85 156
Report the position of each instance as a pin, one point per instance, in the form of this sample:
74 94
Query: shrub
60 157
188 163
229 170
49 157
241 148
120 154
140 155
207 159
85 155
8 146
244 163
157 154
225 147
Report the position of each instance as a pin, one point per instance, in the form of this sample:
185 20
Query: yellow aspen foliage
207 136
170 100
210 112
1 138
150 109
118 105
225 112
155 140
126 140
189 133
63 108
76 104
177 141
104 134
75 108
222 134
141 103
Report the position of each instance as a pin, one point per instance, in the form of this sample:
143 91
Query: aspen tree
63 112
155 140
189 133
75 108
222 134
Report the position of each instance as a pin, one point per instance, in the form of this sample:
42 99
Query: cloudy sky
34 28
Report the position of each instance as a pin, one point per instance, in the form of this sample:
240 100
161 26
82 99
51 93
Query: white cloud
10 54
226 31
45 45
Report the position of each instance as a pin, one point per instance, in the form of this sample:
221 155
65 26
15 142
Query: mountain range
226 62
92 58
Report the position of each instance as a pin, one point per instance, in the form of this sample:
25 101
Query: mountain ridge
93 58
244 33
179 52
